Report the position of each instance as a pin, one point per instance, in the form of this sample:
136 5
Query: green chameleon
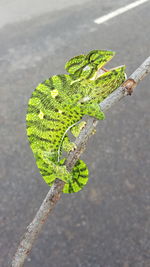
58 104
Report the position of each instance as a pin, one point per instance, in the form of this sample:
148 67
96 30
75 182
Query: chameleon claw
74 147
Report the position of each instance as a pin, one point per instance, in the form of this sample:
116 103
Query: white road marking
119 11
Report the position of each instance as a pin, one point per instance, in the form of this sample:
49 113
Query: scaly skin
57 104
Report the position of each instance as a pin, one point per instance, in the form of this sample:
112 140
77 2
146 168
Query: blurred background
107 224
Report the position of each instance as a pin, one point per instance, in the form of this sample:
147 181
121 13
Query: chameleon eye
88 71
86 68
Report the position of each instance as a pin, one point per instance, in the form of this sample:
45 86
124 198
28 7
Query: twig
54 193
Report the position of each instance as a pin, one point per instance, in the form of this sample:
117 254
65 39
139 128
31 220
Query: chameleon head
86 66
103 81
90 67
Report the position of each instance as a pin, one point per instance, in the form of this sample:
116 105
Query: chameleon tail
79 178
74 180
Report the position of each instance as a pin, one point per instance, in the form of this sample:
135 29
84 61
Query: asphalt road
107 224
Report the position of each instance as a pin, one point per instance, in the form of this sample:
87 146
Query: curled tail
74 180
79 178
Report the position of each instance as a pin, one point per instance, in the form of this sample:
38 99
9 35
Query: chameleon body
58 104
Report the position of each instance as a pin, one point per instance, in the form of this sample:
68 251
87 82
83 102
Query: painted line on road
119 11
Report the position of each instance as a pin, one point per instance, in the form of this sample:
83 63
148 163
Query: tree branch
54 193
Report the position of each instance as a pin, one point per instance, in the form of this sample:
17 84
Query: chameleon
58 105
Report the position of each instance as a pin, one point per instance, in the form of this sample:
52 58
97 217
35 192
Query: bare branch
54 193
